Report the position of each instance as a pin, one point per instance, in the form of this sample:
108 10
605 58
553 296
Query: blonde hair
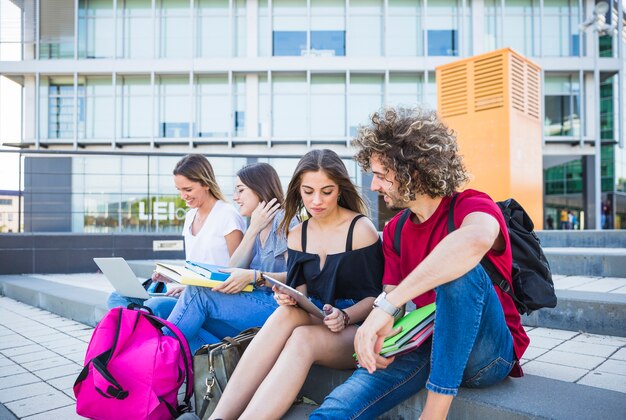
197 168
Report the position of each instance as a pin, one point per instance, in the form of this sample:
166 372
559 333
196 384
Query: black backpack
532 280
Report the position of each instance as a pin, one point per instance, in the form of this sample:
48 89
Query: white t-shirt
209 245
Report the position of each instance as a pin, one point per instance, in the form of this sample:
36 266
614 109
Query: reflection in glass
135 30
175 29
560 28
365 97
174 106
134 107
289 34
365 20
57 108
95 21
213 113
442 28
212 28
289 112
328 107
99 108
562 106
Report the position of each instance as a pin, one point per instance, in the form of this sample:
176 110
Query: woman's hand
263 215
283 299
156 277
334 319
174 291
235 283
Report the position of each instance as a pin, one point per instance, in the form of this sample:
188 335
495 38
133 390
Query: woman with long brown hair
335 257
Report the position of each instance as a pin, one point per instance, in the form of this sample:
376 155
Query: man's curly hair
418 146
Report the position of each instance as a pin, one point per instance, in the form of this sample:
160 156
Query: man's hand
263 215
238 279
369 338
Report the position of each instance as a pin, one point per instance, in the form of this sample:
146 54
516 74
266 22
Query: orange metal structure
492 102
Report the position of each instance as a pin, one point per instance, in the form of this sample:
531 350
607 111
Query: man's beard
395 203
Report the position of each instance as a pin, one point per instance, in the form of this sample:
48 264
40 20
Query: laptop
121 276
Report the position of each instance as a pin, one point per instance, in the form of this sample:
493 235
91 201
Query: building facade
115 91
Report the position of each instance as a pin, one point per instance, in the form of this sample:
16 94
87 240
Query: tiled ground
42 353
40 357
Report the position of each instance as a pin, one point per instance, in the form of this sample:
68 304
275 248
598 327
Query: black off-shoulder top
353 274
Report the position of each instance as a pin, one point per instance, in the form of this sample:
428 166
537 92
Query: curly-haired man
478 337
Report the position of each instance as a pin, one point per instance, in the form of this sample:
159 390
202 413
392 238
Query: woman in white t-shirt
212 231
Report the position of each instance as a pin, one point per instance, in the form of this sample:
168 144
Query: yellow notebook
183 275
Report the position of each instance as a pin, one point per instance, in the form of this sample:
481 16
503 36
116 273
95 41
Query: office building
115 91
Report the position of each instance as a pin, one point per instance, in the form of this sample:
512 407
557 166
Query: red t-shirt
418 240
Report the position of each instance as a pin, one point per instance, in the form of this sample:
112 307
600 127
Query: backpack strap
397 235
187 359
351 231
496 277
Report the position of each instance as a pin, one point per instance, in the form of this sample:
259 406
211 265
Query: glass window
365 98
213 29
240 27
328 105
135 31
521 26
560 28
213 111
290 27
57 108
239 102
95 34
404 30
562 105
442 28
175 29
365 20
264 34
492 37
328 30
98 108
290 114
174 106
134 107
56 28
405 90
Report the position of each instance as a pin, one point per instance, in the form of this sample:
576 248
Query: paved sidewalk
41 354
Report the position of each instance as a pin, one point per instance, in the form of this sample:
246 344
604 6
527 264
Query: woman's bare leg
307 345
258 359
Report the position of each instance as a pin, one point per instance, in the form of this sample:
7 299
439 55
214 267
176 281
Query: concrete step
582 238
530 397
602 262
81 304
590 312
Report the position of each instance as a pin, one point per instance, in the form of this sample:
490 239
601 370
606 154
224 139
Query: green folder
408 322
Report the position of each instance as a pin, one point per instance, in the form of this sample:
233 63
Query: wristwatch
381 302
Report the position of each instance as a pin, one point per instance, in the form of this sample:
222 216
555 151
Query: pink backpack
132 370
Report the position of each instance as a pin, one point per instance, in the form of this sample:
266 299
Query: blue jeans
161 305
471 347
205 316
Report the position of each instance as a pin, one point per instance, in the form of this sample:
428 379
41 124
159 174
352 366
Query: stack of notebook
195 274
417 326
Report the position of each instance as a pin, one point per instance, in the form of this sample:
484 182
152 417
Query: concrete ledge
583 238
80 304
601 262
590 312
530 397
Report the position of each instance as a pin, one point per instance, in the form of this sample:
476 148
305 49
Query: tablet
298 296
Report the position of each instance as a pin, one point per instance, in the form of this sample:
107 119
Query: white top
209 245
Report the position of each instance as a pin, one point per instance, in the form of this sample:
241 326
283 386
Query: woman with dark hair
205 316
212 231
335 257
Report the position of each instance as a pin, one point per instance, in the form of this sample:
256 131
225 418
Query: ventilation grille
524 87
489 83
454 91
